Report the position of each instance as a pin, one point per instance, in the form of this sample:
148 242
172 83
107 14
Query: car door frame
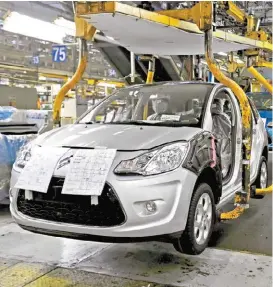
235 182
259 141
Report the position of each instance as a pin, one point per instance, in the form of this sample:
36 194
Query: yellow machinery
149 80
260 79
202 17
204 11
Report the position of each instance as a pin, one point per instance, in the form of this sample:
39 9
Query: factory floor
240 254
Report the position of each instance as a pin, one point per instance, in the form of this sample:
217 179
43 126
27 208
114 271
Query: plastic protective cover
222 132
9 147
13 115
6 113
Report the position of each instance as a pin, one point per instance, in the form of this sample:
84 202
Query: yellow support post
241 198
151 71
149 80
260 79
84 32
83 29
71 83
250 23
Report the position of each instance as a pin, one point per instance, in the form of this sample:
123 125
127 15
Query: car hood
120 137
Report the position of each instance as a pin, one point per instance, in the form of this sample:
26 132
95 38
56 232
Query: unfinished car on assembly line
177 160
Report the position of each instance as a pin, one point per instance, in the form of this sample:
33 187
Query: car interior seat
227 109
222 128
161 107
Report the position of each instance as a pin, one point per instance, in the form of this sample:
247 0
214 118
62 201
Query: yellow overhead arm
149 80
233 10
241 198
84 32
265 64
260 79
71 83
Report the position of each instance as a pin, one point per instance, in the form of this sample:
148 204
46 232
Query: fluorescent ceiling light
222 54
31 27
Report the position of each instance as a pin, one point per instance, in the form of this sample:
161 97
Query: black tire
187 243
257 182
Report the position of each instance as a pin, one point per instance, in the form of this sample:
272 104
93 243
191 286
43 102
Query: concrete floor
252 232
238 257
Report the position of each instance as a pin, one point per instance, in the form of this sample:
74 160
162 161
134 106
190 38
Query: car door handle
254 131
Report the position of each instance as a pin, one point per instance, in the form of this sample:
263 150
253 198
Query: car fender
203 156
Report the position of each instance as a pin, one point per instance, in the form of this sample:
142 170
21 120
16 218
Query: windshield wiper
144 123
129 123
87 123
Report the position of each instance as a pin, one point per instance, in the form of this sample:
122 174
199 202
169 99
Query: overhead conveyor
145 32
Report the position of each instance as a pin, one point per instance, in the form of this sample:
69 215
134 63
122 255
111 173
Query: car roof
171 83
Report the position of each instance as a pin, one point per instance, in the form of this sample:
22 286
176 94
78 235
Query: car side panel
259 142
203 154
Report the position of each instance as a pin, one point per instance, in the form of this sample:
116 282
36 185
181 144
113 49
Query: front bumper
170 191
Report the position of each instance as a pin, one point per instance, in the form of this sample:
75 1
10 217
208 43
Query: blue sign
35 60
211 77
59 53
111 72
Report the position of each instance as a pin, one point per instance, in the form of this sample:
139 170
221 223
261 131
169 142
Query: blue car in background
263 103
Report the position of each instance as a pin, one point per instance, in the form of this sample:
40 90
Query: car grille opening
75 209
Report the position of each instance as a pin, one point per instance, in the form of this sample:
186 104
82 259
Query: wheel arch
265 152
209 175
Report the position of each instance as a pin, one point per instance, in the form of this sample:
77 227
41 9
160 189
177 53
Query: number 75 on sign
59 53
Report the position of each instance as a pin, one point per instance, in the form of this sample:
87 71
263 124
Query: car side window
254 110
224 104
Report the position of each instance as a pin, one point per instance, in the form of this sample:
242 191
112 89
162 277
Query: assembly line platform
39 261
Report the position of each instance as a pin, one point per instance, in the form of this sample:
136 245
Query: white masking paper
88 171
38 171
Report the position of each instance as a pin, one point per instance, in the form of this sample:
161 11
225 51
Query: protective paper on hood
88 171
9 147
37 173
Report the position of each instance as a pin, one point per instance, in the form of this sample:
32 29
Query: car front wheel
197 233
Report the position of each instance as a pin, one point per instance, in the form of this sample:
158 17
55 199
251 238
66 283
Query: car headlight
160 160
23 155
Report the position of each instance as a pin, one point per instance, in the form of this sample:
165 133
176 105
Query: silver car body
171 191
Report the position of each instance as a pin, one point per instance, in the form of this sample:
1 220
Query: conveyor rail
151 33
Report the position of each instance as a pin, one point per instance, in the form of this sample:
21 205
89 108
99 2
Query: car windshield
161 104
262 101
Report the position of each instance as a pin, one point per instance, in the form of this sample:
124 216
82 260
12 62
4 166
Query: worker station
136 143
